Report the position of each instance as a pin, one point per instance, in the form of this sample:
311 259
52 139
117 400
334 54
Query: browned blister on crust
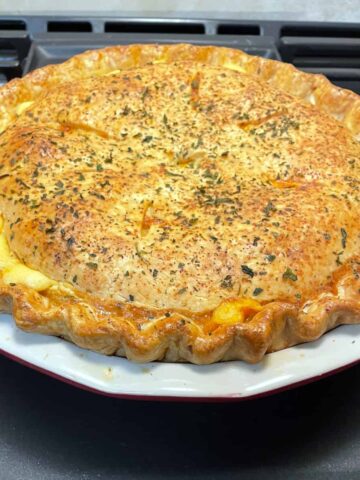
186 203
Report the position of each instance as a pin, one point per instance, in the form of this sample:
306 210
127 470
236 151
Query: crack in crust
279 324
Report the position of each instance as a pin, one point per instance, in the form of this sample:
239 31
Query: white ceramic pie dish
118 377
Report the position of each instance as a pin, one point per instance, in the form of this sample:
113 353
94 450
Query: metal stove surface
329 48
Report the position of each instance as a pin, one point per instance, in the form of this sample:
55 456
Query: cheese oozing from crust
15 272
234 311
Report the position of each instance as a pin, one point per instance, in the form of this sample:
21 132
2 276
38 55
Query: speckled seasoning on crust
179 203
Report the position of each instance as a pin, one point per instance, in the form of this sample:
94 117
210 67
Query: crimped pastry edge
280 324
277 326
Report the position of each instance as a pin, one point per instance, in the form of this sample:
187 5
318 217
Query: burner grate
14 49
333 49
69 26
155 27
334 52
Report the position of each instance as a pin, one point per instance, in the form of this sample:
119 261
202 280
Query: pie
179 203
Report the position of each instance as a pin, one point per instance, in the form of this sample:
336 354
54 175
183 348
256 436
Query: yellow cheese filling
234 66
234 311
15 272
229 312
22 107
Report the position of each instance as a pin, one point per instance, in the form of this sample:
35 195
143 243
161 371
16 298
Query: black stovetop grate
330 48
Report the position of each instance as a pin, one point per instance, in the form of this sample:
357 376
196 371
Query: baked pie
179 203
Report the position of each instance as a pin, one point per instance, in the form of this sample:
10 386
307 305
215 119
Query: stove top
29 42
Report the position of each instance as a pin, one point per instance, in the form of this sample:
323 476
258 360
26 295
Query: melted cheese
284 184
113 72
235 311
21 274
22 107
234 66
15 272
159 60
7 258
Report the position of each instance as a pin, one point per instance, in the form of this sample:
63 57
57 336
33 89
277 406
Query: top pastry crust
179 203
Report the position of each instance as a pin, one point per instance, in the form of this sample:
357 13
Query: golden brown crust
278 326
342 104
299 303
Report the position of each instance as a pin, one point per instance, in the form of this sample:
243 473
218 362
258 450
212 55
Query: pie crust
179 203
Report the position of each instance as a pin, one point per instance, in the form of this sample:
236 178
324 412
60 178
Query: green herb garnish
227 282
247 270
92 265
290 275
269 209
343 237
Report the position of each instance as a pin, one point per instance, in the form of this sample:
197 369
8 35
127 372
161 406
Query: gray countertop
314 10
52 431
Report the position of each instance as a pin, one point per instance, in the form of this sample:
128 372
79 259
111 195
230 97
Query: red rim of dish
174 398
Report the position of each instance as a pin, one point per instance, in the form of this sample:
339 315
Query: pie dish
179 203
